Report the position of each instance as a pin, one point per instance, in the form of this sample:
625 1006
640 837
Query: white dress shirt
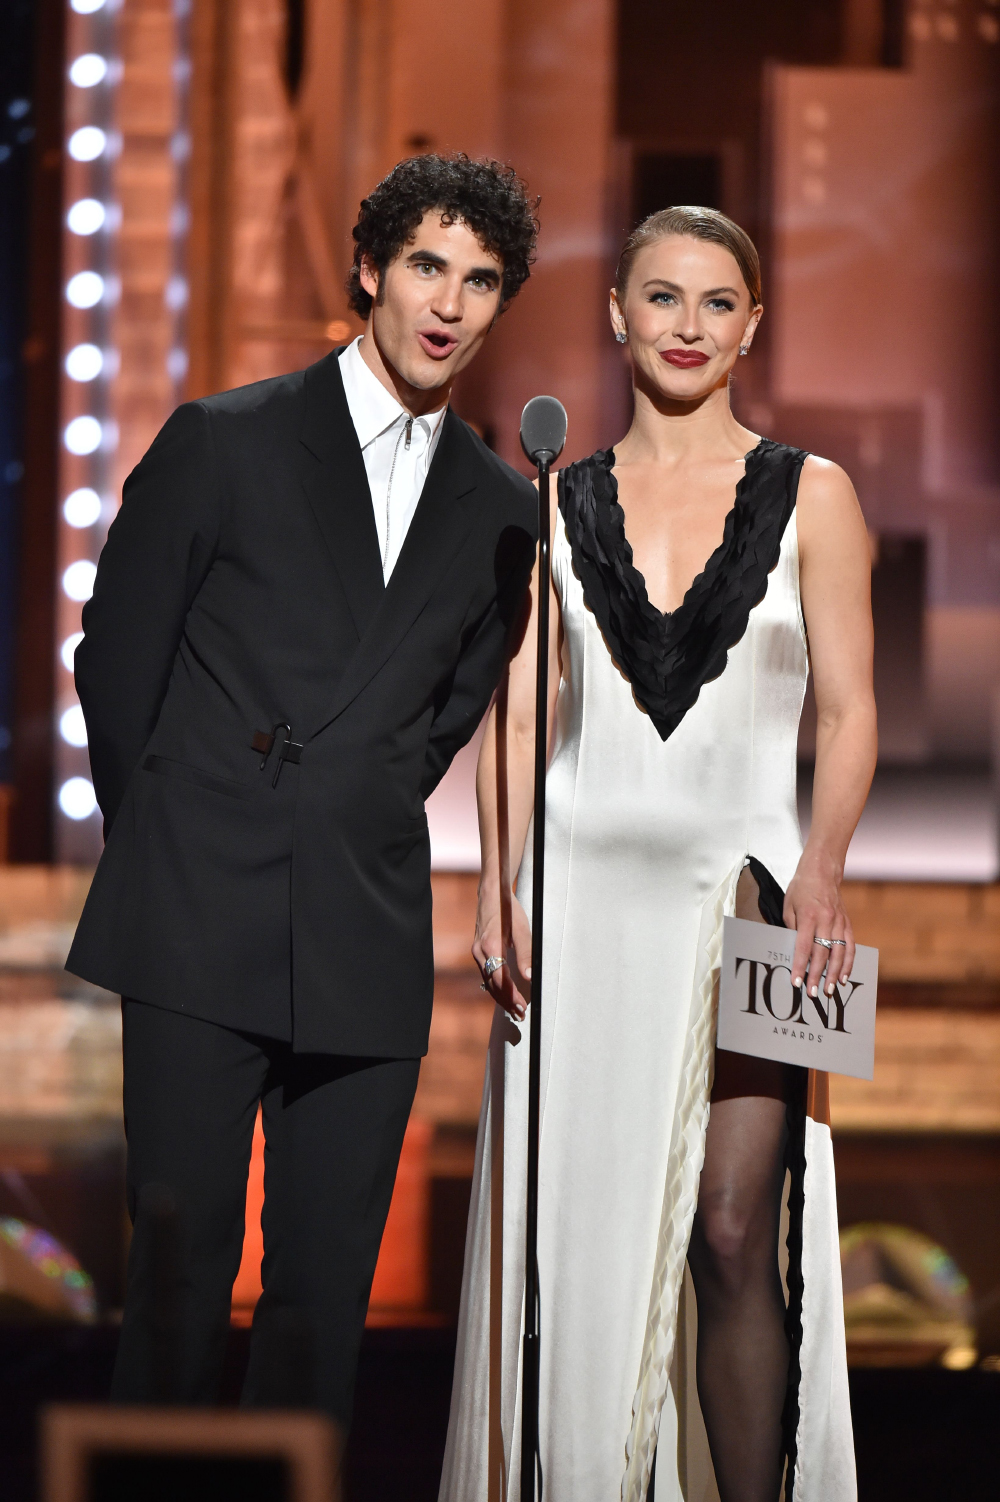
397 450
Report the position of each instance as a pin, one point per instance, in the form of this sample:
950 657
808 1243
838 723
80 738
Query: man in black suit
300 616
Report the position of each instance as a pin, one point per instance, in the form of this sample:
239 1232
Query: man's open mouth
438 344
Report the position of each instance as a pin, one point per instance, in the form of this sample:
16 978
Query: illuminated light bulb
67 651
73 727
87 143
177 364
77 798
175 293
86 216
82 435
87 7
85 290
82 508
84 362
78 580
87 70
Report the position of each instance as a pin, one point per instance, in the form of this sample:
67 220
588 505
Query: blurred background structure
178 183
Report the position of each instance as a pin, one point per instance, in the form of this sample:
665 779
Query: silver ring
839 941
493 963
826 943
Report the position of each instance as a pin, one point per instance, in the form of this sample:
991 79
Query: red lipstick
684 359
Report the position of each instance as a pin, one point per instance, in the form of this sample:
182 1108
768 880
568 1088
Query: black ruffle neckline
667 658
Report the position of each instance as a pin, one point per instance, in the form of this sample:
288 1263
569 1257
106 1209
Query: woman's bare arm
505 793
835 573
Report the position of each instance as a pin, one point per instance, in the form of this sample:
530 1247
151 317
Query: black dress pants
333 1130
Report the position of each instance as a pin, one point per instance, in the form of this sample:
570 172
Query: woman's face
686 312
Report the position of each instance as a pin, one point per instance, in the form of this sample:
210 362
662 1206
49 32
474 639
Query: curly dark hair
489 197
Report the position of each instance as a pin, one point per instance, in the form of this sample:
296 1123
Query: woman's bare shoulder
827 503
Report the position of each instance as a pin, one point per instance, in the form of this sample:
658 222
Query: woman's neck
673 433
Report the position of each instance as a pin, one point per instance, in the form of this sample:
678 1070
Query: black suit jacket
241 586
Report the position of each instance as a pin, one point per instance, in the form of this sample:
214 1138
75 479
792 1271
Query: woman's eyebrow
659 281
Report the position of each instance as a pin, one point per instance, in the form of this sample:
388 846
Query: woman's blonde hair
700 224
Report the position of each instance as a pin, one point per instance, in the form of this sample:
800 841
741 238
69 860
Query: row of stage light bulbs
87 289
84 363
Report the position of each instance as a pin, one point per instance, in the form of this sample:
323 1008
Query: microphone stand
530 1352
543 433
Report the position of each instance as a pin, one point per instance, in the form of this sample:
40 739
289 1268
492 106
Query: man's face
439 299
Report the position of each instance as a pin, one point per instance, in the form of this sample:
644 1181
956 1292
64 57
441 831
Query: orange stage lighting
401 1277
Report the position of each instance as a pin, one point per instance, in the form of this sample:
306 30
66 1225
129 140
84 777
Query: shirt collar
373 409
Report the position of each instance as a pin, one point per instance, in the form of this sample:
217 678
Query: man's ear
368 276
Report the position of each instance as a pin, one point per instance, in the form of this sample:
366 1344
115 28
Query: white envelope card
762 1014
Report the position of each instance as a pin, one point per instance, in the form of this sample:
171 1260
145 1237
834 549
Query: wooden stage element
937 1038
937 1079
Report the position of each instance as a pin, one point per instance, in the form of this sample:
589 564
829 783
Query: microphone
543 429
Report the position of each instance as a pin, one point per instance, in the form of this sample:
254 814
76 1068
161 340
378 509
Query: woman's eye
663 298
720 305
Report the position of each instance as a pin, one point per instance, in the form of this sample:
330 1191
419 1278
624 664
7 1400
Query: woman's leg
742 1348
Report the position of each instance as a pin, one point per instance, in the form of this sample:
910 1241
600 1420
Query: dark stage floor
922 1436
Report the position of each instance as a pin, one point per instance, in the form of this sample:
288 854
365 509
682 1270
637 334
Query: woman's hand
813 907
510 984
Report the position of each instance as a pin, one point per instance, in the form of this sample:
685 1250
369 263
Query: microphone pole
543 433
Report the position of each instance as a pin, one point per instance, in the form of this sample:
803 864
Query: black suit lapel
440 526
336 483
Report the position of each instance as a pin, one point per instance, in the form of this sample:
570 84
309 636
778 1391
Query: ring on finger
839 941
826 943
490 967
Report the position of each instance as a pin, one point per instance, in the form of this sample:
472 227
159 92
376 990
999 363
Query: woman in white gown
676 692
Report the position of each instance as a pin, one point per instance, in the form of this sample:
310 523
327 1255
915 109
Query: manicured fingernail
796 980
527 973
829 988
814 991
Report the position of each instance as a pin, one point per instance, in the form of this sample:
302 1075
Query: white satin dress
646 838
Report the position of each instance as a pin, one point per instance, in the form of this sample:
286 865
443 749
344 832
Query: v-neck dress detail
669 656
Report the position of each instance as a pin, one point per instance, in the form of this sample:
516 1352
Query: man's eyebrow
427 255
431 258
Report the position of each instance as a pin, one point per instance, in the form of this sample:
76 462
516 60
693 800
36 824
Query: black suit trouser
333 1130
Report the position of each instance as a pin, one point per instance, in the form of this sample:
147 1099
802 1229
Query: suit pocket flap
165 767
